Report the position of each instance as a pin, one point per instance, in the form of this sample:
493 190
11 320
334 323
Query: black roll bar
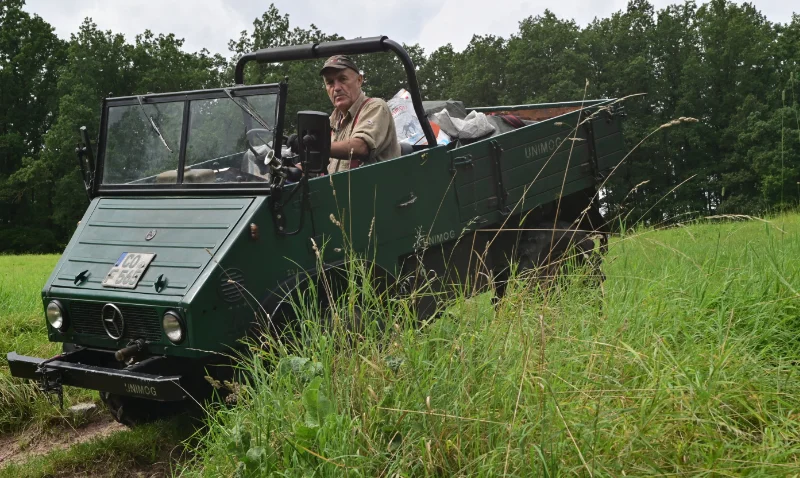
344 47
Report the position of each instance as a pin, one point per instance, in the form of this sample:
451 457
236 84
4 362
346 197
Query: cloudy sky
431 23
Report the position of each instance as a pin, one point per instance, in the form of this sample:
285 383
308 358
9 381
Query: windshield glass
134 149
143 140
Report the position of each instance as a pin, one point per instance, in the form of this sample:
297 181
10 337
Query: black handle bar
344 47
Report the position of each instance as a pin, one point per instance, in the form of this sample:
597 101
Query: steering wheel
256 131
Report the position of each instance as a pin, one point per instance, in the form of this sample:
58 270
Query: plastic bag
475 125
407 125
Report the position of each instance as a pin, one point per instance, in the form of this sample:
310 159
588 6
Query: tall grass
23 330
22 325
683 361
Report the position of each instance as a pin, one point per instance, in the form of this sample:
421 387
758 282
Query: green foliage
43 188
23 330
271 30
437 72
550 48
480 78
682 362
30 56
23 239
720 62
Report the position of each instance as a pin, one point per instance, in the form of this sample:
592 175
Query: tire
132 411
438 274
333 286
546 249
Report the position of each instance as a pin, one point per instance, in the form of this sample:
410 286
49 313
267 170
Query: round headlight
173 327
55 314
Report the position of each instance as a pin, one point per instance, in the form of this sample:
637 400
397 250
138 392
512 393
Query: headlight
55 315
173 327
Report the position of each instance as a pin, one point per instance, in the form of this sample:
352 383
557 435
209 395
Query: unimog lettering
541 148
141 389
441 237
434 239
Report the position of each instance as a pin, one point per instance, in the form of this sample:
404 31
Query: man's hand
341 149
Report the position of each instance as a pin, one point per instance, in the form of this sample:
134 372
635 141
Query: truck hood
183 233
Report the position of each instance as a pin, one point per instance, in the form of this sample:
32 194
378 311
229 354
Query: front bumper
88 368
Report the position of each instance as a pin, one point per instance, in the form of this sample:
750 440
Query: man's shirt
374 126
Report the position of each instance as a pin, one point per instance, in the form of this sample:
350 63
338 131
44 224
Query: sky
211 24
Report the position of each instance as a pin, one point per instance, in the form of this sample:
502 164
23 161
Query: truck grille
140 322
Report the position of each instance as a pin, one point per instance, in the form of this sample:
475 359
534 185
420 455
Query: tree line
722 63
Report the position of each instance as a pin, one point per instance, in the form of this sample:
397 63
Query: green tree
437 73
384 74
736 42
546 61
272 29
620 64
101 64
480 79
30 57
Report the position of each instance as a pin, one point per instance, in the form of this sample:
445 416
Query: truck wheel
284 319
132 411
548 248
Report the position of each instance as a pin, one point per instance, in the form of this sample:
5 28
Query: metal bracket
276 208
496 154
593 163
460 162
49 381
52 386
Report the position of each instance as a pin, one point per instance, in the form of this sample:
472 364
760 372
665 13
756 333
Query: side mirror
86 161
314 131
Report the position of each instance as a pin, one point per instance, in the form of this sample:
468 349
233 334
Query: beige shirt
375 126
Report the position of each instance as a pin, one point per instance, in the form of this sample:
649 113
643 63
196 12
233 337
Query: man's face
343 86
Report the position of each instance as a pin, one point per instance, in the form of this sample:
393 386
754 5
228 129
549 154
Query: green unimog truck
199 215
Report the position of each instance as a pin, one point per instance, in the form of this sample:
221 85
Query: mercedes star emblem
113 322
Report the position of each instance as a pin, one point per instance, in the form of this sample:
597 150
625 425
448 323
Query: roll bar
344 47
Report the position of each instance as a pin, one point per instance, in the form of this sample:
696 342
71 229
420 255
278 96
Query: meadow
684 361
33 424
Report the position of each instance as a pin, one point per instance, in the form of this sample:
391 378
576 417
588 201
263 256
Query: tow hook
132 349
50 380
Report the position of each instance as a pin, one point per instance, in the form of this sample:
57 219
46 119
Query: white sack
475 125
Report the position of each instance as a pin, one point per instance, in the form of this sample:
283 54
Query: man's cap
340 62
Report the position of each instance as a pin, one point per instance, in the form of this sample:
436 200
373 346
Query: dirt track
20 447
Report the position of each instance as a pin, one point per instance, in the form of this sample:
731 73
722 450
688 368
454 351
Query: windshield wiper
153 124
245 106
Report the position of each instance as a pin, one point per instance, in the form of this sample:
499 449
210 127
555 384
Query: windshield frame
186 97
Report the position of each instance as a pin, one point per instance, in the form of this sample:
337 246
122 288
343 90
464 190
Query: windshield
133 149
228 136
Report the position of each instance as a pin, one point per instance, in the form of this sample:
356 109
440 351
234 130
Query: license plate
128 269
